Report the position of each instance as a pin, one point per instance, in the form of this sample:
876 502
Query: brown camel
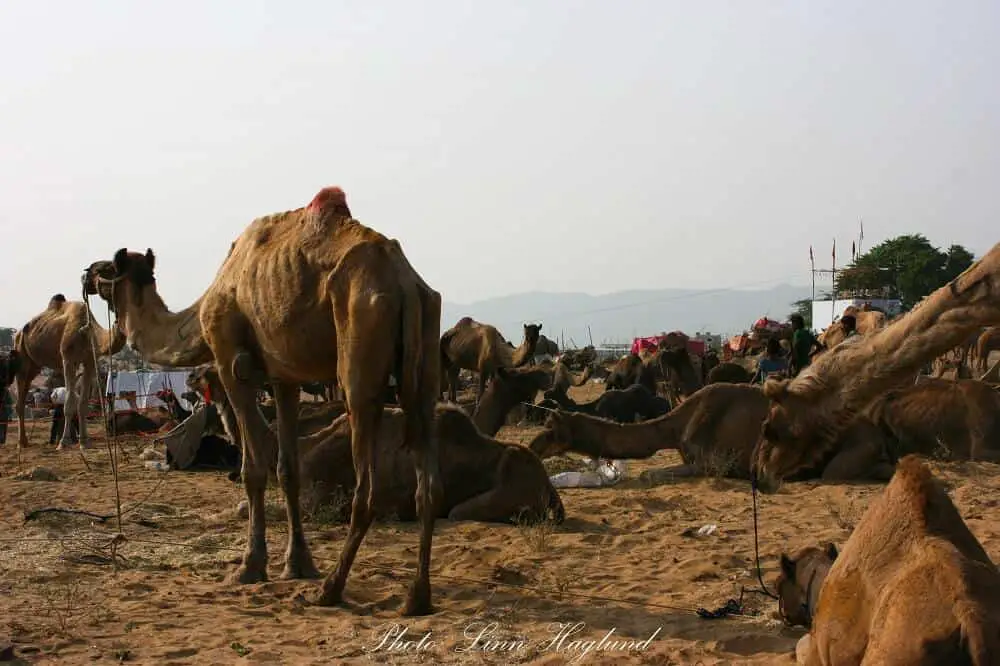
305 295
509 388
809 412
732 373
911 587
563 379
469 345
546 346
952 420
866 323
714 431
988 341
62 337
682 378
483 479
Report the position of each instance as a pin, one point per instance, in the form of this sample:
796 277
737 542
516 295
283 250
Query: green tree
804 308
907 267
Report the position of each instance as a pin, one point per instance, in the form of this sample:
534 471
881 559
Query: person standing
58 414
6 412
803 344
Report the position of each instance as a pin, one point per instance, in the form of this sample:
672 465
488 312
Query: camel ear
787 566
776 389
150 258
831 551
121 261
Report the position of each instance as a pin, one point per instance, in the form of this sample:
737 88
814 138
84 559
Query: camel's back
43 337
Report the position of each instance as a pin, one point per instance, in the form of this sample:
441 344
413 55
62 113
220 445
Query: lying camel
563 379
912 586
483 479
808 413
732 373
715 431
621 405
508 389
953 420
630 369
470 345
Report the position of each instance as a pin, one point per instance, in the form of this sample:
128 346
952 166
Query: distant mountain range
618 317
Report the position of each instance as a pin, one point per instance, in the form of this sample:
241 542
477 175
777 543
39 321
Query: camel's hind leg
504 501
298 561
365 414
71 409
83 403
24 378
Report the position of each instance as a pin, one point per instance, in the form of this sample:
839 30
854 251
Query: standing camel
469 345
808 412
63 338
305 295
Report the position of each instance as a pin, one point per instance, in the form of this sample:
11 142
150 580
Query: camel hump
330 199
913 481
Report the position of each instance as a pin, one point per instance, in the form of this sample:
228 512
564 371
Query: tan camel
951 420
563 378
483 479
808 412
988 341
62 337
714 431
304 295
469 345
911 587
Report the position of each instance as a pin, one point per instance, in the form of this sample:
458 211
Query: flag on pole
810 254
854 251
862 222
834 251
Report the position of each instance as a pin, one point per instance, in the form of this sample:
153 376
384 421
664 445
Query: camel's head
104 277
788 437
556 438
800 578
679 371
531 334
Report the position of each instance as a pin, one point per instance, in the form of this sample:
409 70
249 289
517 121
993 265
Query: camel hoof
328 597
248 575
418 602
301 569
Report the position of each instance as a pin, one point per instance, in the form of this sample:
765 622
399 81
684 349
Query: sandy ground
630 549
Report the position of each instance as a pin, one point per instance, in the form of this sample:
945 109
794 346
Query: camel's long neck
522 354
164 337
601 438
945 319
109 341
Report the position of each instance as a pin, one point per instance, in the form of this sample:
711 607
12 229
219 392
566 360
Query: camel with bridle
911 587
808 413
305 295
470 345
66 338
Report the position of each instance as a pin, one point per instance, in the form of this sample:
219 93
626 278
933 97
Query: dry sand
630 547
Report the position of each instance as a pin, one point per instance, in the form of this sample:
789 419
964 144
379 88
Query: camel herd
312 295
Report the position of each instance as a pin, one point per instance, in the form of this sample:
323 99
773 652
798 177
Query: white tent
145 384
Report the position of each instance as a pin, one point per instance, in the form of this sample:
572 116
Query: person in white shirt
59 416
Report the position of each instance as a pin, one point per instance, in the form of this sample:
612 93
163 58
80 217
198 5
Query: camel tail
420 368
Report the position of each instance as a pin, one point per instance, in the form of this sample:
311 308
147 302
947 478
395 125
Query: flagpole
812 270
833 288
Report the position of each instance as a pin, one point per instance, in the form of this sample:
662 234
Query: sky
560 146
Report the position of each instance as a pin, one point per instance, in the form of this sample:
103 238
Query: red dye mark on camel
329 197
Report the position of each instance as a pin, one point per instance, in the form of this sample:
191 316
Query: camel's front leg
859 461
298 561
253 431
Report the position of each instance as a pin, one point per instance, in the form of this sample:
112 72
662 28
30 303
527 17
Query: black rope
756 540
731 607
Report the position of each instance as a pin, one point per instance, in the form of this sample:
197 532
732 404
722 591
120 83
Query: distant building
826 312
711 340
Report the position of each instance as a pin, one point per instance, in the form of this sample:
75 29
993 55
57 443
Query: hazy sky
584 146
